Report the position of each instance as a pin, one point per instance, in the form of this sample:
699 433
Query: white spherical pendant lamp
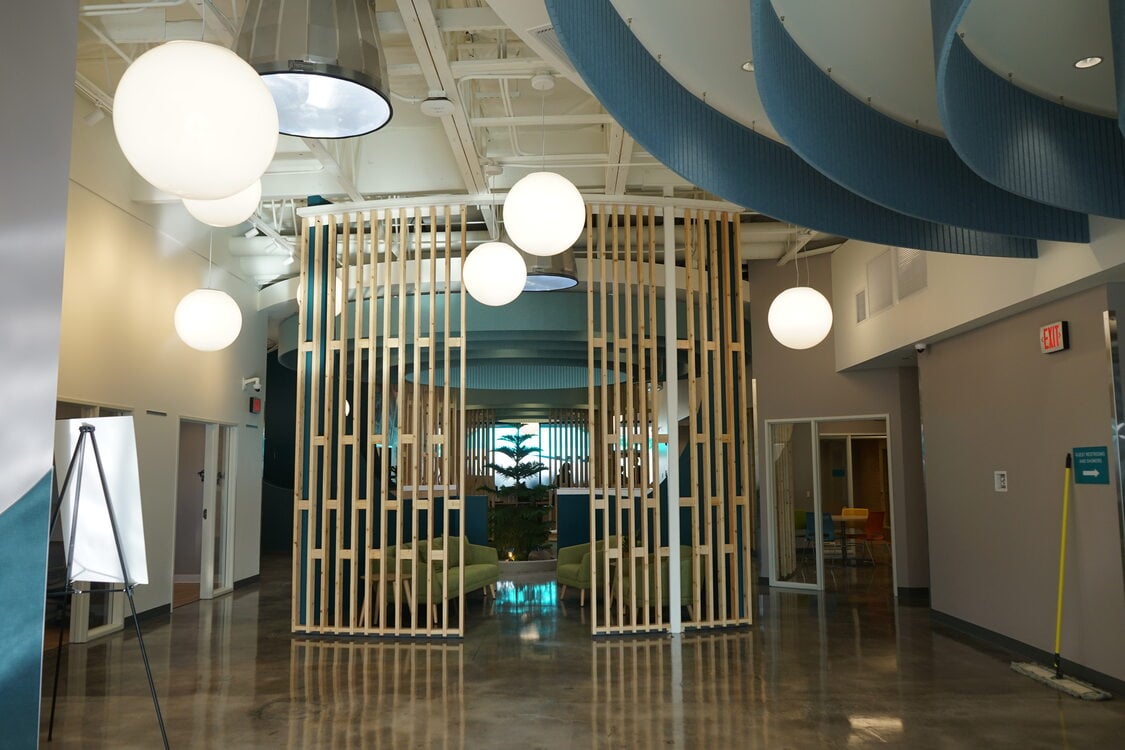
195 120
229 211
544 213
800 317
494 274
208 320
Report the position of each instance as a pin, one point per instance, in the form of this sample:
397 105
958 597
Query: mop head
1068 685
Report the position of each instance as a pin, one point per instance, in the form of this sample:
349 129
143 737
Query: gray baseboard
914 596
248 581
1023 651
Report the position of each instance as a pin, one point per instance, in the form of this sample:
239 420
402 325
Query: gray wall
991 401
794 384
37 47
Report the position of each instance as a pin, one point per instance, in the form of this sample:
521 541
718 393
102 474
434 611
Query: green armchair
573 568
481 565
687 580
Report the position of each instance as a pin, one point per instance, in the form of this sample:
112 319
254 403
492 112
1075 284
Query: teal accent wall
23 586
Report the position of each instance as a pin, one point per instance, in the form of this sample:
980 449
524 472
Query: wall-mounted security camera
254 383
920 347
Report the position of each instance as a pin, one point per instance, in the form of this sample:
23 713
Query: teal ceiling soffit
1117 32
884 160
727 158
1021 142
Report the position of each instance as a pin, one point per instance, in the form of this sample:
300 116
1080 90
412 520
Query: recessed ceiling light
748 66
1088 62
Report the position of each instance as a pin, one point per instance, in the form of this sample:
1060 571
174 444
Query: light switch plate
1000 481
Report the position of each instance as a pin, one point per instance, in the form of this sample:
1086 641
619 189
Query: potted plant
518 516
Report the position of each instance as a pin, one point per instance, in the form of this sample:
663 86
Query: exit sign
1054 337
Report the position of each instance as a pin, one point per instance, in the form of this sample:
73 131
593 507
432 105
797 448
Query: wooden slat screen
380 463
625 338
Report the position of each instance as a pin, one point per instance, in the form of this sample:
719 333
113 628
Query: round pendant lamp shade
551 273
195 120
208 320
800 317
544 213
321 61
494 274
227 212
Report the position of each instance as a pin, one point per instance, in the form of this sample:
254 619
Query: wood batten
380 425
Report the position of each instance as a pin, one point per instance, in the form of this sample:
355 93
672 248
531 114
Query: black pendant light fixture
322 62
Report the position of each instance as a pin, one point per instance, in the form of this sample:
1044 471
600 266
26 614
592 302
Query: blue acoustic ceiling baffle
728 159
880 158
1021 142
1117 33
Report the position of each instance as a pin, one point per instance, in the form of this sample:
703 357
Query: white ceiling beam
333 166
803 237
263 226
620 153
221 30
448 19
515 67
534 121
426 38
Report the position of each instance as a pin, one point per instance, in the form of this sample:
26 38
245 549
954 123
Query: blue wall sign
1091 465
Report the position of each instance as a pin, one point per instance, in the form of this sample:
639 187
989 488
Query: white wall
126 268
965 292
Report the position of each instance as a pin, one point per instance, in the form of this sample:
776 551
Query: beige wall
794 384
126 268
991 401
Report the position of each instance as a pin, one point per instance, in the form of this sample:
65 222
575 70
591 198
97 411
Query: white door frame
771 500
211 463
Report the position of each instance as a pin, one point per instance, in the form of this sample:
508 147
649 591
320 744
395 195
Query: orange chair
873 531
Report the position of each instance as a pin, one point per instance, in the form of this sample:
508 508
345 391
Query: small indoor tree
518 518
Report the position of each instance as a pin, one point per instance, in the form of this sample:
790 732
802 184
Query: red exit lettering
1054 337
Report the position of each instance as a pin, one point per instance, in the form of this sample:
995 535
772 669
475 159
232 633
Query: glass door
795 525
217 575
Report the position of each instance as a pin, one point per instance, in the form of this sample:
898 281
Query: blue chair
827 526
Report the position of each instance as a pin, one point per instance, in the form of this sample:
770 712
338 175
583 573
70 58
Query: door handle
204 514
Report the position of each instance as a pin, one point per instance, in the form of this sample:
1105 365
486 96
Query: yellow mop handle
1062 567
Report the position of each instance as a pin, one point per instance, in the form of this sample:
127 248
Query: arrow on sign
1090 473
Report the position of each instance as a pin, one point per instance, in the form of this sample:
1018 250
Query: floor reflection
816 670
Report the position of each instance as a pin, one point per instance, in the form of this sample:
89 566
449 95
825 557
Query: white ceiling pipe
114 8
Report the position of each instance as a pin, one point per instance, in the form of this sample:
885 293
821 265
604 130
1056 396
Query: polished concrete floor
843 669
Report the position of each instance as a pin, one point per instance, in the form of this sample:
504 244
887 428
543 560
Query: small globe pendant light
544 213
229 211
800 317
208 319
494 274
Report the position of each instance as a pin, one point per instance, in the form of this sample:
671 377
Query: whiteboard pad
95 553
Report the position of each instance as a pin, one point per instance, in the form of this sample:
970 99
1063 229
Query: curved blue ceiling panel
882 159
1019 141
727 158
1117 33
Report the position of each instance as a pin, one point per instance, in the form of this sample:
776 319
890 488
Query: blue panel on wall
728 159
1019 141
23 586
882 159
1117 32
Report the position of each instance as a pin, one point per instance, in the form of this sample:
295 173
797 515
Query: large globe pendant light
800 317
208 320
195 120
229 211
544 213
494 273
